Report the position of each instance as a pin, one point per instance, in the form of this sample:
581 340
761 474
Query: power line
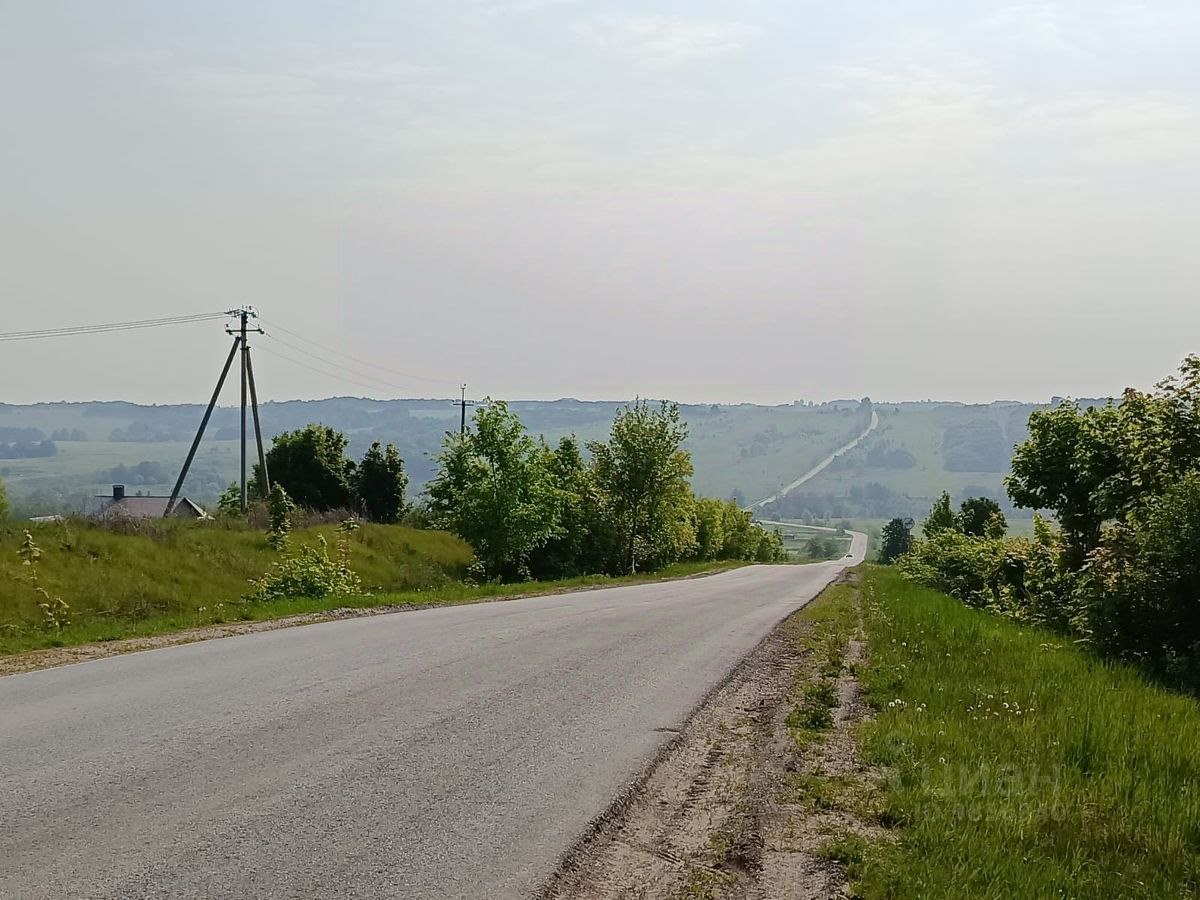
337 375
336 365
353 359
107 328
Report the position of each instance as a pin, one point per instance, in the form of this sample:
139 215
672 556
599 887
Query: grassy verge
134 586
832 620
163 575
1020 765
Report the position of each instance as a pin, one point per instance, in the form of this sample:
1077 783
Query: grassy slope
179 573
183 576
1022 767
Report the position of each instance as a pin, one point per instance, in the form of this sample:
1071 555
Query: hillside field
747 450
918 451
743 451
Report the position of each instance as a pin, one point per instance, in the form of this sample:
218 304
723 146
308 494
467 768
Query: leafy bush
310 572
1123 574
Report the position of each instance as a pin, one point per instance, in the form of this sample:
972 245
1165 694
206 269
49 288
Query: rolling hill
745 451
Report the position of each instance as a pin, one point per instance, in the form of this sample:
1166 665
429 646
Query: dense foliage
495 491
310 571
532 511
1121 569
642 471
3 503
895 541
311 465
380 483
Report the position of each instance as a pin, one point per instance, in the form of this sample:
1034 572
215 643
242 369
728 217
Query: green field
77 465
920 429
918 451
1017 765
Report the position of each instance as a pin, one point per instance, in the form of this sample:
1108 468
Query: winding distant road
819 467
438 754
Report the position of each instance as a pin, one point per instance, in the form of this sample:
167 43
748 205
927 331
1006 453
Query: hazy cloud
550 197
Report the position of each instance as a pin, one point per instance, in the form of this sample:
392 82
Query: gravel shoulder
746 802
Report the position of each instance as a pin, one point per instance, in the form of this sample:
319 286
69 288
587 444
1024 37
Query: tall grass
1021 765
167 576
181 570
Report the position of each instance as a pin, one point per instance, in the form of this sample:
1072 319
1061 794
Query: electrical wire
336 375
396 374
339 371
108 327
339 366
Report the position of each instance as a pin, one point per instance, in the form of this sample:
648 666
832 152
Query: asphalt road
446 753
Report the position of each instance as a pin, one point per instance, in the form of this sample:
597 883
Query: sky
750 200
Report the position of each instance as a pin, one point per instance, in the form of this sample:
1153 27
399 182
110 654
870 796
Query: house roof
148 507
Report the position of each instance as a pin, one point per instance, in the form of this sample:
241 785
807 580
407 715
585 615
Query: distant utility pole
463 403
240 343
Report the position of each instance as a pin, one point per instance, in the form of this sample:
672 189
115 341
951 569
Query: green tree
895 541
380 483
230 502
739 534
976 514
494 490
941 517
1159 437
4 507
643 471
770 546
584 540
311 465
710 528
1072 464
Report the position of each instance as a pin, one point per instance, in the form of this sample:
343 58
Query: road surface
819 467
446 753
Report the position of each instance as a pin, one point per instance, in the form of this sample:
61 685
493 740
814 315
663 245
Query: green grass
919 429
179 575
832 621
1020 765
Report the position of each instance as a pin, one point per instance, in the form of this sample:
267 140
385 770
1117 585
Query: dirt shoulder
32 660
760 790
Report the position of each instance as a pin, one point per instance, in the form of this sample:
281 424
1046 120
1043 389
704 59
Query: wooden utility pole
187 463
244 314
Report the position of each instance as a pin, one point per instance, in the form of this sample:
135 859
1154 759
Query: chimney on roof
118 493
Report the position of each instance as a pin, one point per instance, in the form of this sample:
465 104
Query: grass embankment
1020 766
173 576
